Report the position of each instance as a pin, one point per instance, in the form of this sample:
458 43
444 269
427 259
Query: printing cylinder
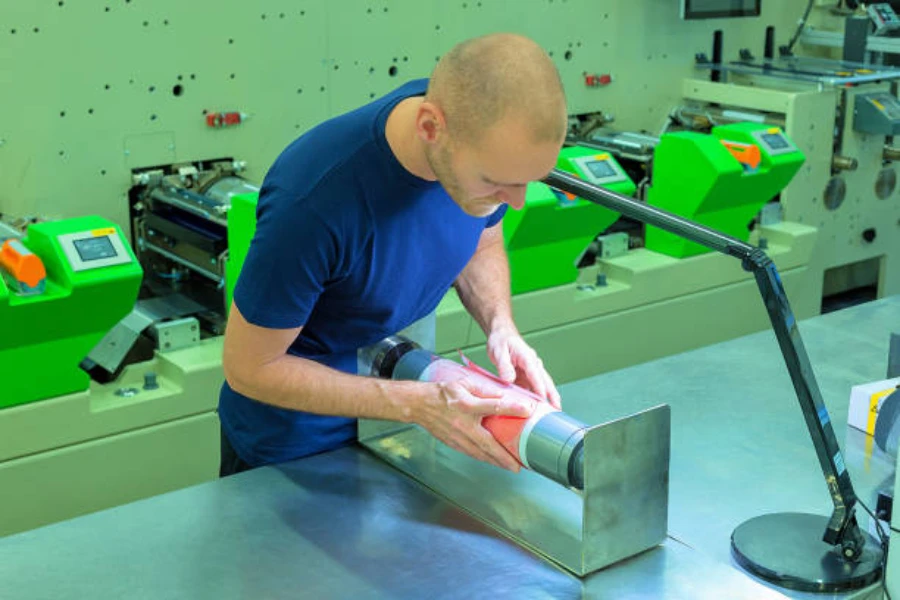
549 441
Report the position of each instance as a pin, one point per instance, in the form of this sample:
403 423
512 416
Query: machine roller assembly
549 442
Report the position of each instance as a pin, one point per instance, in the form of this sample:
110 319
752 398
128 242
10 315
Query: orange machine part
23 265
746 154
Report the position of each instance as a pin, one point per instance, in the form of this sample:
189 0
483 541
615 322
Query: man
364 223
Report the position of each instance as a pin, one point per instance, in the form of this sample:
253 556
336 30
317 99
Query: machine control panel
599 169
774 142
94 249
884 17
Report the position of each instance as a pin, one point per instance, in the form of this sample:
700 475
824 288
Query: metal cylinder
891 153
223 189
554 447
550 442
844 163
704 117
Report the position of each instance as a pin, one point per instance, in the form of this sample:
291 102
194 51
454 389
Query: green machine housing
546 238
698 177
241 228
92 283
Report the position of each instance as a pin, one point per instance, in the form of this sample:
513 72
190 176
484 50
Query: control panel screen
775 141
94 248
601 169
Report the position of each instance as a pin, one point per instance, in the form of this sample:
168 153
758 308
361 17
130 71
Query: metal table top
344 524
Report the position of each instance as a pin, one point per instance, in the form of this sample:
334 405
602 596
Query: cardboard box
865 402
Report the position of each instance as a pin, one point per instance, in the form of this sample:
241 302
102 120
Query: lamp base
787 550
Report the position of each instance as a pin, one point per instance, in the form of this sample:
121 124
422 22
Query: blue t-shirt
351 246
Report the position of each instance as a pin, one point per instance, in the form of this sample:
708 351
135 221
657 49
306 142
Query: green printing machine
91 282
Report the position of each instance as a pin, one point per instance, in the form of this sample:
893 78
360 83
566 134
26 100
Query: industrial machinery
71 445
546 240
571 271
843 116
179 225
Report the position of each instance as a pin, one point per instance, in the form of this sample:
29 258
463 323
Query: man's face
495 170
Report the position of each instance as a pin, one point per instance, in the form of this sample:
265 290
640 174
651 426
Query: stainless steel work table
346 525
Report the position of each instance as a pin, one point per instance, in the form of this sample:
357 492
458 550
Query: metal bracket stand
787 548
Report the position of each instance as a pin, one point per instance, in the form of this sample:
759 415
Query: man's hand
453 414
518 363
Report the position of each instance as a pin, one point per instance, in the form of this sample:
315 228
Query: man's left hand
518 363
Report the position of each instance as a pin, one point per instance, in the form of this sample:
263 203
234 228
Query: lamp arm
843 529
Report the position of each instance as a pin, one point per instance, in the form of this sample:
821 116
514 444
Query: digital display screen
95 248
717 9
775 141
601 169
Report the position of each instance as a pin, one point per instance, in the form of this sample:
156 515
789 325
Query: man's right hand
453 414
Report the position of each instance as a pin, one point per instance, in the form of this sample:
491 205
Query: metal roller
549 442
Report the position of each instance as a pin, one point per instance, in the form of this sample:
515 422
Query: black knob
870 234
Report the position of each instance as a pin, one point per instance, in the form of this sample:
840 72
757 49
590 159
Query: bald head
499 76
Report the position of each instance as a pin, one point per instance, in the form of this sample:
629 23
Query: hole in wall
568 55
103 171
151 89
231 76
37 29
152 117
62 113
392 71
299 90
146 23
90 111
178 90
106 86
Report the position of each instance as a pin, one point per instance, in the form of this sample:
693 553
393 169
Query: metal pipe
184 262
844 163
705 117
891 153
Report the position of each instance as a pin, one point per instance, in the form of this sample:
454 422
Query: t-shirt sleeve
292 257
496 216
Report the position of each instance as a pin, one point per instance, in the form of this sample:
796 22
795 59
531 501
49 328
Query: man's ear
431 125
